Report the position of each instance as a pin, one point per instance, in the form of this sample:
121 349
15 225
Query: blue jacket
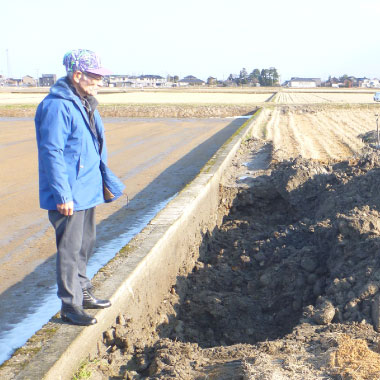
69 156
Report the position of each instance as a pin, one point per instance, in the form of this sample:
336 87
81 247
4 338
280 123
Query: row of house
351 81
47 80
366 82
150 81
345 81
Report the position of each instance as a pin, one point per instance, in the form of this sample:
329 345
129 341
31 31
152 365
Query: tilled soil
319 132
287 287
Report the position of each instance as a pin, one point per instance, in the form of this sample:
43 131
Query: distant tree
256 73
264 78
176 78
243 73
273 75
254 76
243 76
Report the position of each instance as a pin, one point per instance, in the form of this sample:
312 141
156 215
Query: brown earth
155 158
287 287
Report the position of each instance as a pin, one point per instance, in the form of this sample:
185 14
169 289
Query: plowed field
315 132
323 97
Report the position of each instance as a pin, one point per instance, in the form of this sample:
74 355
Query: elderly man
74 177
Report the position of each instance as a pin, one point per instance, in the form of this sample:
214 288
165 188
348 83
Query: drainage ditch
293 260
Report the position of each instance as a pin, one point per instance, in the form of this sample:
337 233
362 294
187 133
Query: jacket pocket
112 186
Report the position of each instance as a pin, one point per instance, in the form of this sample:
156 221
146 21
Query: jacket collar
65 90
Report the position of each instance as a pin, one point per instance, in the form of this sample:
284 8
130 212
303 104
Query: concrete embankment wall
142 273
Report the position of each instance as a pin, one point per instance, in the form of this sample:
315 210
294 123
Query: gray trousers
75 238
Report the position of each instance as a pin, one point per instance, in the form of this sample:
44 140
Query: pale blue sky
198 37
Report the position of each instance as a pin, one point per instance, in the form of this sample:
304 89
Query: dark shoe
76 316
91 302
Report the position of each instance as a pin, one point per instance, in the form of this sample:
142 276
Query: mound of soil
286 288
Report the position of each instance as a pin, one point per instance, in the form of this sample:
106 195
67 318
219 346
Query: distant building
13 82
303 82
363 82
374 83
211 81
47 80
190 80
150 81
27 80
117 81
134 81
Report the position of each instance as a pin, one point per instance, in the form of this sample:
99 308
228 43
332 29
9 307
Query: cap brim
102 71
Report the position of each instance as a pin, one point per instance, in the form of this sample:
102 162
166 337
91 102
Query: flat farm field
156 97
295 97
156 103
153 96
316 132
202 96
9 98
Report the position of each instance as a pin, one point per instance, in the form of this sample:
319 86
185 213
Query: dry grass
353 360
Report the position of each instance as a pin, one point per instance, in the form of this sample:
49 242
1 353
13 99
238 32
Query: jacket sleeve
53 129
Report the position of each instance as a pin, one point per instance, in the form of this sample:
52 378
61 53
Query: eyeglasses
93 76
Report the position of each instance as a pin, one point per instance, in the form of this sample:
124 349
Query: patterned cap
85 61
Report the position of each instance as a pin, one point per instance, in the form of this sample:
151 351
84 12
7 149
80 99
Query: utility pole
8 64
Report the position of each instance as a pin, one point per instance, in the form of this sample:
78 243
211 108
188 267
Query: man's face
89 84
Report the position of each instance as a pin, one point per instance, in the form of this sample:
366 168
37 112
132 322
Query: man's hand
66 208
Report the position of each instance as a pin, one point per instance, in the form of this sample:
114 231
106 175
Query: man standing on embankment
74 178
